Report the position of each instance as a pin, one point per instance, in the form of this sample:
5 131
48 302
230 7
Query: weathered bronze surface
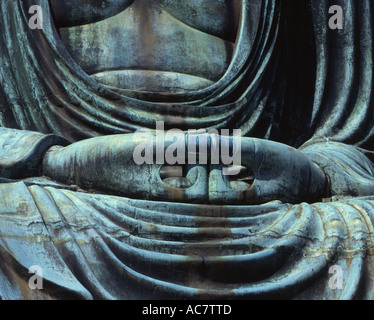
74 202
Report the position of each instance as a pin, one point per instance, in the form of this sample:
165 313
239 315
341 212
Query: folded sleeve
21 152
350 172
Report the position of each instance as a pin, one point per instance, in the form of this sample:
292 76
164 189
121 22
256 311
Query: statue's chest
216 17
188 37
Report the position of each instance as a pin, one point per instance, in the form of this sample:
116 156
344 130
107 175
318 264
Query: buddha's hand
114 165
277 172
109 164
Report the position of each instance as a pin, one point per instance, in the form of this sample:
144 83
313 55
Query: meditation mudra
100 226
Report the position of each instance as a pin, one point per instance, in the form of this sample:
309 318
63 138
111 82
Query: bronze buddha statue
100 226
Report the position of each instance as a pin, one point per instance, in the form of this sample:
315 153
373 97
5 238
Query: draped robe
291 80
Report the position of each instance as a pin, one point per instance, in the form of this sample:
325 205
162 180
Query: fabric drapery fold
158 251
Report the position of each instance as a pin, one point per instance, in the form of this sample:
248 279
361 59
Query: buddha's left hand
279 172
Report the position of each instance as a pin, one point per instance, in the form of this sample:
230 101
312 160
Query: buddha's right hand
107 164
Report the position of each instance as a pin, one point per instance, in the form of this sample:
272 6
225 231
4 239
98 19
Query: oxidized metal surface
74 202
